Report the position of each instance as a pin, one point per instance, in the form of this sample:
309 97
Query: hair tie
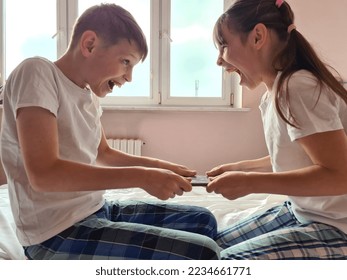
279 3
291 27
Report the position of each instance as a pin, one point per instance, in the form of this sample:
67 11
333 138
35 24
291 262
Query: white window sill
170 108
173 108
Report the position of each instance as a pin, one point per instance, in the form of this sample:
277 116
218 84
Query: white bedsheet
226 212
10 247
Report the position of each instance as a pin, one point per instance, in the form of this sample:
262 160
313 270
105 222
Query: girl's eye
126 62
222 48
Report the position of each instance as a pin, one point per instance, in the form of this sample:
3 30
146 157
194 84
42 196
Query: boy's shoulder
36 61
33 66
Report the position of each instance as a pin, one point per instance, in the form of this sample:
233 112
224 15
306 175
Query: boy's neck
70 66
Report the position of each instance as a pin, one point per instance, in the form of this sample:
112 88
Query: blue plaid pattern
276 234
135 230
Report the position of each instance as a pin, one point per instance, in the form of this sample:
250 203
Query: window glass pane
29 31
140 9
193 69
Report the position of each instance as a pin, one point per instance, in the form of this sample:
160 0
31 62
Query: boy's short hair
111 23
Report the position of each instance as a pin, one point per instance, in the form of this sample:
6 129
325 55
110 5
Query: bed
225 211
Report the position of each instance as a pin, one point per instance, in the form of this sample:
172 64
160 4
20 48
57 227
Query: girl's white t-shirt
38 82
328 114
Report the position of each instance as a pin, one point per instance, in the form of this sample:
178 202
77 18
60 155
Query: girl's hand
231 184
221 169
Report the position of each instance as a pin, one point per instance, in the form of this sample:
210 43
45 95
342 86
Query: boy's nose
128 76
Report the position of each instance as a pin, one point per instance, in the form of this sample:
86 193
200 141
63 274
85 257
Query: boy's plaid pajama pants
135 230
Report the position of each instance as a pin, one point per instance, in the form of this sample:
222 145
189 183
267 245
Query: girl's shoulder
305 88
302 78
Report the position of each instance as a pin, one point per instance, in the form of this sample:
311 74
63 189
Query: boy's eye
126 62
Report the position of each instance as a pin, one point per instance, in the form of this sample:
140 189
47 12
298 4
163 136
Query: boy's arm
111 157
38 137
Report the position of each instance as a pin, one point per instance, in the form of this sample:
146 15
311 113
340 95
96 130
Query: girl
304 114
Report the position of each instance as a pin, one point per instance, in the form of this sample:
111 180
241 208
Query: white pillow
10 248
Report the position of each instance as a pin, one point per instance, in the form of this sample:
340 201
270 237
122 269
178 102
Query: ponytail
300 55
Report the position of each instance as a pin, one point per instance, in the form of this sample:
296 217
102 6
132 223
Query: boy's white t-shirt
38 82
328 114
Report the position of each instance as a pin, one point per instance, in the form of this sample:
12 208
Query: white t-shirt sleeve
315 109
32 86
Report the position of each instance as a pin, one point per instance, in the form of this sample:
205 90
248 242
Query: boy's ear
260 33
88 42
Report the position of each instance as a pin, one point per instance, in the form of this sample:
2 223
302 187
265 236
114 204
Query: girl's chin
247 84
243 83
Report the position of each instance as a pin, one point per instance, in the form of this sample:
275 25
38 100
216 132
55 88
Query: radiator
130 146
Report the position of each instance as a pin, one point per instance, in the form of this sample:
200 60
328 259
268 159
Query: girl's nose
220 61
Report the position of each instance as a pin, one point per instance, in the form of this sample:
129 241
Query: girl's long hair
298 53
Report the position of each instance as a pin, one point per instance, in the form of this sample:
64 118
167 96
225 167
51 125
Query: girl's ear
260 34
88 42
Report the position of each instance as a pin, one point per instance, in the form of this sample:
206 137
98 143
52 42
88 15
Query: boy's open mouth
111 84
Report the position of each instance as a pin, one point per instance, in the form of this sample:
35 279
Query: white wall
324 24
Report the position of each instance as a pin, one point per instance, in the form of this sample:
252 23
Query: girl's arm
259 165
327 175
38 137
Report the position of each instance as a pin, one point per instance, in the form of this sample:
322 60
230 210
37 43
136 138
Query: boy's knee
207 223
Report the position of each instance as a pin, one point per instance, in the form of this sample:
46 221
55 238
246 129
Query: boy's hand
165 184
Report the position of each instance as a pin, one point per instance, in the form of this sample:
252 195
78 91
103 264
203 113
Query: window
24 34
193 71
179 70
190 73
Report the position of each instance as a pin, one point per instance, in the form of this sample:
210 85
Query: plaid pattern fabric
276 234
135 230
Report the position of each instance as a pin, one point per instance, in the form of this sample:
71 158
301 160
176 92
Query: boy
58 163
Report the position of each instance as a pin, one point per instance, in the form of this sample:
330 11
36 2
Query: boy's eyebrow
135 56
